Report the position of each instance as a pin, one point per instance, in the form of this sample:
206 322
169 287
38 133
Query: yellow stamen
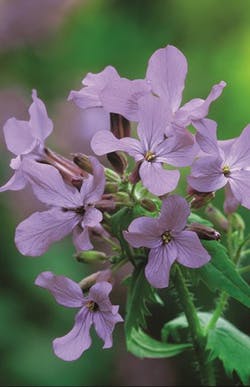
226 170
150 156
166 237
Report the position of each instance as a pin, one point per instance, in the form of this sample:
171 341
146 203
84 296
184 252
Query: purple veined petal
178 150
239 155
15 183
81 239
49 187
226 145
159 264
239 182
92 217
191 253
41 125
174 213
121 96
99 293
104 142
166 72
36 233
66 292
89 95
153 116
18 136
182 115
93 187
143 232
104 323
71 346
198 110
206 174
158 180
231 203
206 136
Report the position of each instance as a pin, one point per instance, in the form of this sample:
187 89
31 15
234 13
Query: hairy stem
220 307
196 331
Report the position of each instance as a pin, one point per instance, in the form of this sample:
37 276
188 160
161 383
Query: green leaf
194 218
224 341
142 345
220 273
140 294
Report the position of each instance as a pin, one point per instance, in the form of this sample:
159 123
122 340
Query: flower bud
134 177
90 256
204 232
111 187
199 199
83 162
148 204
111 175
119 161
120 126
216 217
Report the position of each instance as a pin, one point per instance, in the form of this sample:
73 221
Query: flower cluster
84 197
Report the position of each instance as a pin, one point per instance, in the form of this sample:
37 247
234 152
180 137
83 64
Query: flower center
166 237
77 210
226 170
149 156
92 306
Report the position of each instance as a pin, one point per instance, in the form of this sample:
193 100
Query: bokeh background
50 45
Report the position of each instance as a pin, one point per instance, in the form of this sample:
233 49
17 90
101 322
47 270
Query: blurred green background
50 45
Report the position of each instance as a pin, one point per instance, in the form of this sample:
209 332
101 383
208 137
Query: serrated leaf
140 294
224 341
220 273
144 346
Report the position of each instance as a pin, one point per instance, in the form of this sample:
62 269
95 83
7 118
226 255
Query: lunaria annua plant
131 206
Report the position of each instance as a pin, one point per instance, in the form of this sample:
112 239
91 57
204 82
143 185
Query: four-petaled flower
153 148
223 165
25 139
71 210
96 309
167 240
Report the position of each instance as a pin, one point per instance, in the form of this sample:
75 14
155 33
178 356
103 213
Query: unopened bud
83 162
119 161
204 232
134 177
90 256
111 175
121 197
148 204
199 199
120 126
216 217
102 275
111 187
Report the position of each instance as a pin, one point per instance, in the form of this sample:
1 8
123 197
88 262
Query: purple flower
153 148
25 139
70 210
225 165
108 90
167 240
96 309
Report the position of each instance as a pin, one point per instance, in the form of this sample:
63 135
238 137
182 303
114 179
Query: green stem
244 269
114 245
221 304
119 264
197 335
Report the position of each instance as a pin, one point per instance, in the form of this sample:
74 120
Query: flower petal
99 293
143 232
157 180
81 239
71 346
18 136
66 292
206 136
93 187
159 264
92 217
191 253
206 174
40 123
231 203
174 213
35 234
15 183
239 182
104 142
104 323
121 96
239 155
49 187
167 69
